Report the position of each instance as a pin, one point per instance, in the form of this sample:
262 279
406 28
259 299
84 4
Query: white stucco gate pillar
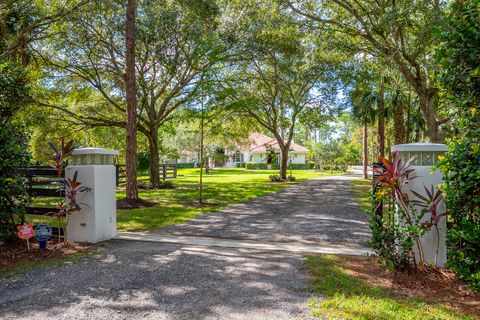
426 156
97 220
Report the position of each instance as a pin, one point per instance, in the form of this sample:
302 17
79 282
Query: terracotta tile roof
259 142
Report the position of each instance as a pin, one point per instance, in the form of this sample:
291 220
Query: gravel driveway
145 280
138 280
317 211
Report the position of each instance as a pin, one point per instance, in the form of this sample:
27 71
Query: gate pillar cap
95 151
420 146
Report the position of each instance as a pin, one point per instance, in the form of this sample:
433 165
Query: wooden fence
167 171
42 182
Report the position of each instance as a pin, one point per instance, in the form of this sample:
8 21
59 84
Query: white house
187 156
257 148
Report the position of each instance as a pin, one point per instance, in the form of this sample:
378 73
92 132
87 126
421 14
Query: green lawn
221 188
348 296
362 189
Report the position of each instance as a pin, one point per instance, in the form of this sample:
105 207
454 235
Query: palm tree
363 110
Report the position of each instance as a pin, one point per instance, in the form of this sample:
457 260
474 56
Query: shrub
385 244
13 196
311 165
163 184
459 81
326 167
277 178
297 166
240 165
185 165
255 166
143 162
462 187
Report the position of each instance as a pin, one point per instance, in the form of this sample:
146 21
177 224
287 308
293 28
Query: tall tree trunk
408 134
428 113
416 137
398 124
131 98
365 151
381 120
154 157
283 162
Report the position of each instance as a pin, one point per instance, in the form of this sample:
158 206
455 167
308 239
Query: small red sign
26 231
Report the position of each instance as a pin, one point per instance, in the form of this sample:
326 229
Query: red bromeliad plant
430 203
390 179
60 155
72 187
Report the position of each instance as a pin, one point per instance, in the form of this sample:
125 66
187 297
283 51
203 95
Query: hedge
185 165
297 166
255 166
274 166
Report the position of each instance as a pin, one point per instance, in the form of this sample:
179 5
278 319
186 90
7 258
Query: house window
238 156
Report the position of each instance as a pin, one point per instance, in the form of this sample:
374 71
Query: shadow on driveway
133 280
318 211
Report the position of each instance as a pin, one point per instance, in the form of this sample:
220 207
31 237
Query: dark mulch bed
429 282
16 253
137 204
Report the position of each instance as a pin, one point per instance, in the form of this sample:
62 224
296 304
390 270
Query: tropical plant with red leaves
430 204
390 179
394 175
72 189
60 154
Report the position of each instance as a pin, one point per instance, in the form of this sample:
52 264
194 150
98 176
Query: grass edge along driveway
344 289
222 187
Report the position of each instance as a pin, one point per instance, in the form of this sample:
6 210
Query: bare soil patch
16 253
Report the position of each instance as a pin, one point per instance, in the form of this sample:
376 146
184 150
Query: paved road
318 211
148 280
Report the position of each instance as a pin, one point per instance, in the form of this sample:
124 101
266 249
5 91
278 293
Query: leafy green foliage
255 166
14 93
458 54
13 196
143 162
186 165
14 90
462 186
